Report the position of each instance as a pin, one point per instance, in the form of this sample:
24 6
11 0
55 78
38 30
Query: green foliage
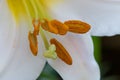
49 74
97 48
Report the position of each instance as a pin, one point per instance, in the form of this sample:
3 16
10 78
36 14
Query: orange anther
55 26
77 26
46 25
62 28
61 52
33 43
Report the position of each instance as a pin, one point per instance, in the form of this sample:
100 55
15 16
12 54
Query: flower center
37 17
54 26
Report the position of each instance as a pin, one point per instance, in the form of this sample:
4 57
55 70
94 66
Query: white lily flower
16 61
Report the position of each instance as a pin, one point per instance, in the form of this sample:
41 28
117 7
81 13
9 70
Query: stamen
41 9
61 52
50 53
34 8
36 24
55 26
77 26
27 12
33 43
62 28
33 37
46 25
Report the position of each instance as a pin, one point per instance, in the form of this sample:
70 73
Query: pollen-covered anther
62 53
77 26
46 25
33 43
62 28
36 25
55 26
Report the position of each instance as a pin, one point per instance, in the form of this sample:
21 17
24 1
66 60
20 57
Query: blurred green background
107 53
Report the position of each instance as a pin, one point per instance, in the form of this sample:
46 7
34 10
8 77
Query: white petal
103 15
84 66
7 36
16 59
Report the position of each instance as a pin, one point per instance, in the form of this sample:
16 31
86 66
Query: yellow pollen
77 26
62 53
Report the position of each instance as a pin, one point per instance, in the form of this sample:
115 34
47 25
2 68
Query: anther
33 43
55 26
46 25
32 37
77 26
62 53
62 28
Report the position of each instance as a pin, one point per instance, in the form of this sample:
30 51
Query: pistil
50 53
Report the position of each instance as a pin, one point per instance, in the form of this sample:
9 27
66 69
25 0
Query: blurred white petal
7 36
16 59
103 15
84 66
